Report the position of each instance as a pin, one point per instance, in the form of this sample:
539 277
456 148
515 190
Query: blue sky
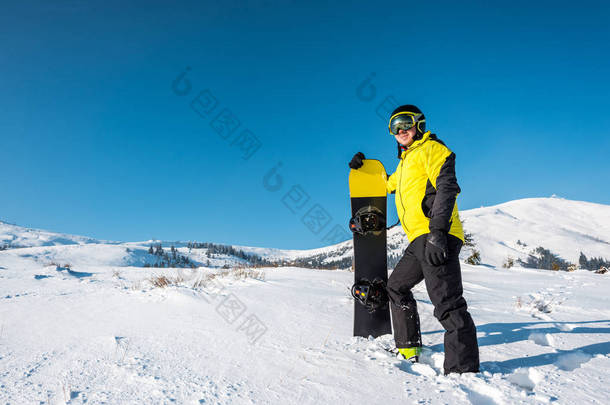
98 139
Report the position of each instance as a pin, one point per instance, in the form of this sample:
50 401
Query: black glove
356 161
436 248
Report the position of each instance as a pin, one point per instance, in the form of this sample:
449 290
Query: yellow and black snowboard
367 189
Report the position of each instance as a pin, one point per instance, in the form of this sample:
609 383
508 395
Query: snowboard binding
367 220
372 295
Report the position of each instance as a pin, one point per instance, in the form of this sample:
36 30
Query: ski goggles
403 120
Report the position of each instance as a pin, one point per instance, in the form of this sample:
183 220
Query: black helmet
418 117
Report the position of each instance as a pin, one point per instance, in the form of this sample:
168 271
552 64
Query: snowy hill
562 226
108 328
512 229
14 236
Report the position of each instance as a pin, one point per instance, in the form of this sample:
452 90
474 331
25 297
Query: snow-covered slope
563 226
101 332
17 236
514 229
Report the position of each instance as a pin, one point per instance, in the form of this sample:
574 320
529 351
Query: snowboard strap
372 295
367 220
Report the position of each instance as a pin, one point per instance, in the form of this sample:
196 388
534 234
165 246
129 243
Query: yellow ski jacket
426 189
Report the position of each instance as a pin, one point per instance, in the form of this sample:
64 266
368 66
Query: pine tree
582 261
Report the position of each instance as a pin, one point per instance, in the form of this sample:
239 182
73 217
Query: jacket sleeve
391 183
440 168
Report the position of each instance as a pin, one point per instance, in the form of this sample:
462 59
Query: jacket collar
416 144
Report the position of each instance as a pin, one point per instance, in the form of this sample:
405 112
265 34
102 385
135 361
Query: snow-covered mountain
13 236
513 229
563 226
510 230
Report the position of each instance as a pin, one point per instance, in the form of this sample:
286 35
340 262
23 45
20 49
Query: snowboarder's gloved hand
436 248
356 161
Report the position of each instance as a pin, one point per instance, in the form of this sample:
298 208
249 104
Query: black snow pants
444 285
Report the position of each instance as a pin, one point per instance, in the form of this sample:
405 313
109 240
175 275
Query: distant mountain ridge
14 236
509 230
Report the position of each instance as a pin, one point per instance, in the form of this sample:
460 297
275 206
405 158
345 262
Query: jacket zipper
404 212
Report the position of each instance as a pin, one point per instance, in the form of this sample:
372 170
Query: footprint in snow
77 274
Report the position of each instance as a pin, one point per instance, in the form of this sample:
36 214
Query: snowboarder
426 189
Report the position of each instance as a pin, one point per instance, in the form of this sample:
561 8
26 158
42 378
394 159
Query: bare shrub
244 272
518 302
538 303
137 285
162 281
199 279
66 388
237 273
